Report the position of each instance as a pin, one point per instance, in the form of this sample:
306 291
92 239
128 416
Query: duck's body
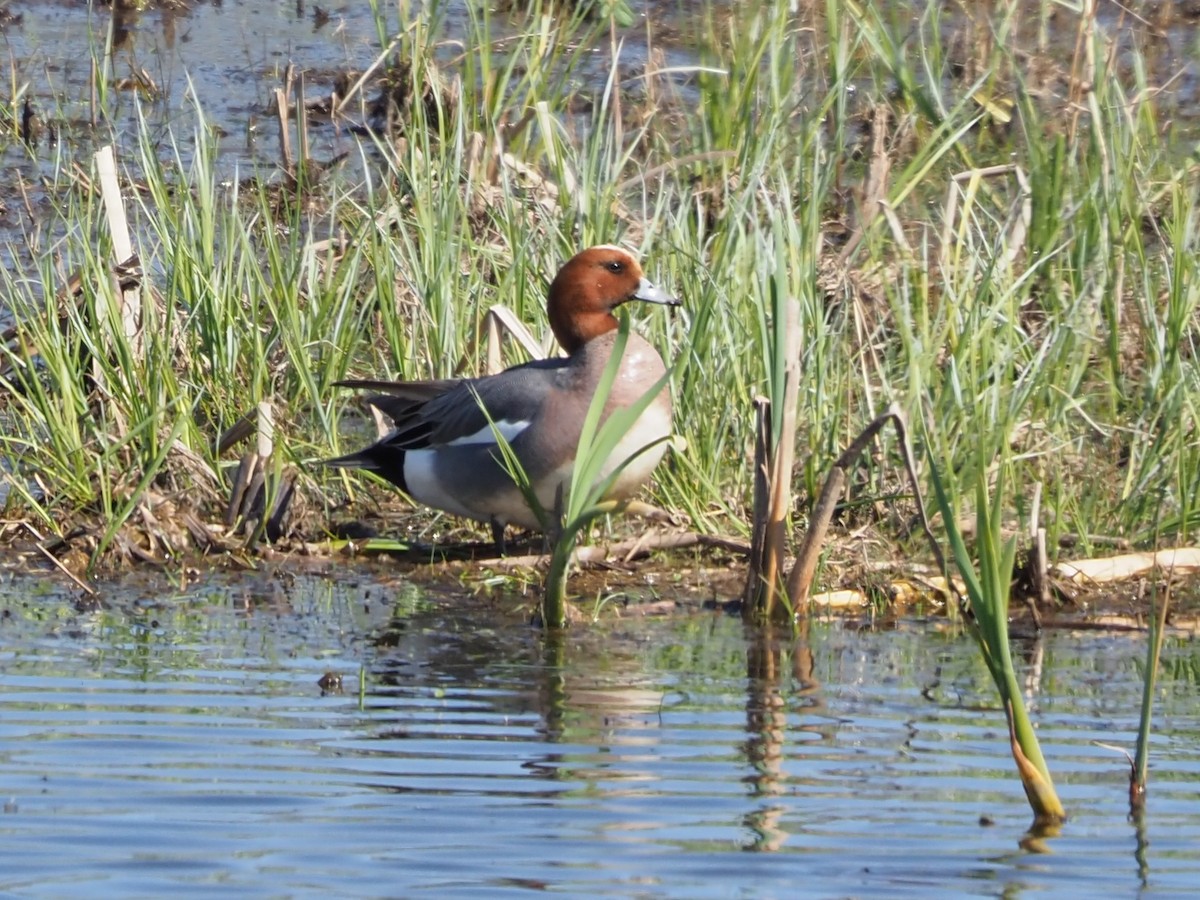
443 451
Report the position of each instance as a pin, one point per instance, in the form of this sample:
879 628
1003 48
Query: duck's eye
615 266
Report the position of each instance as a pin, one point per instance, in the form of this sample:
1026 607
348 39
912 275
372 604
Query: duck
442 450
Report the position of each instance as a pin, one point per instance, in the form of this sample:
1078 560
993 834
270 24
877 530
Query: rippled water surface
179 741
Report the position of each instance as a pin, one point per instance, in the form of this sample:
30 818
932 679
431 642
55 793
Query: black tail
384 460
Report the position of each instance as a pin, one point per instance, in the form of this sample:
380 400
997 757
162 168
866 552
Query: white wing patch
487 435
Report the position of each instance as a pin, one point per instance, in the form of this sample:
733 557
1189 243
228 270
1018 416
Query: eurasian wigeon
442 450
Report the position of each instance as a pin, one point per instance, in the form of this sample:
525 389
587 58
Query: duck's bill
648 292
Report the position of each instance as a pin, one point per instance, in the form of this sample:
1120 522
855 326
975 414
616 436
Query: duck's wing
448 411
512 399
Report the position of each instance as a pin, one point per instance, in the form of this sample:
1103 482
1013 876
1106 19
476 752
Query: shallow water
226 57
178 741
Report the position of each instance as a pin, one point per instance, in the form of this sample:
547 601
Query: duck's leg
498 529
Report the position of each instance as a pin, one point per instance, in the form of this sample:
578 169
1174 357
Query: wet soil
709 575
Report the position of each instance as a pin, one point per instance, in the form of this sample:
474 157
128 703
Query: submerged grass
968 231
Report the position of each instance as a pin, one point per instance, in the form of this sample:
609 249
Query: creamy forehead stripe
613 247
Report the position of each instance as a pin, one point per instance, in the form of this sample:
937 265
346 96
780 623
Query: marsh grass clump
965 228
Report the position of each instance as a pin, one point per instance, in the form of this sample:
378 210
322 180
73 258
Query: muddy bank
623 575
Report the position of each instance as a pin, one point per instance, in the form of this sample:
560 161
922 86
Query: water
178 741
227 58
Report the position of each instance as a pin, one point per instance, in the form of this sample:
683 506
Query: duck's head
589 287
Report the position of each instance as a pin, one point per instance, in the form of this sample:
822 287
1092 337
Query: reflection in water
1035 839
126 23
1138 818
1033 651
766 725
554 685
125 16
766 719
